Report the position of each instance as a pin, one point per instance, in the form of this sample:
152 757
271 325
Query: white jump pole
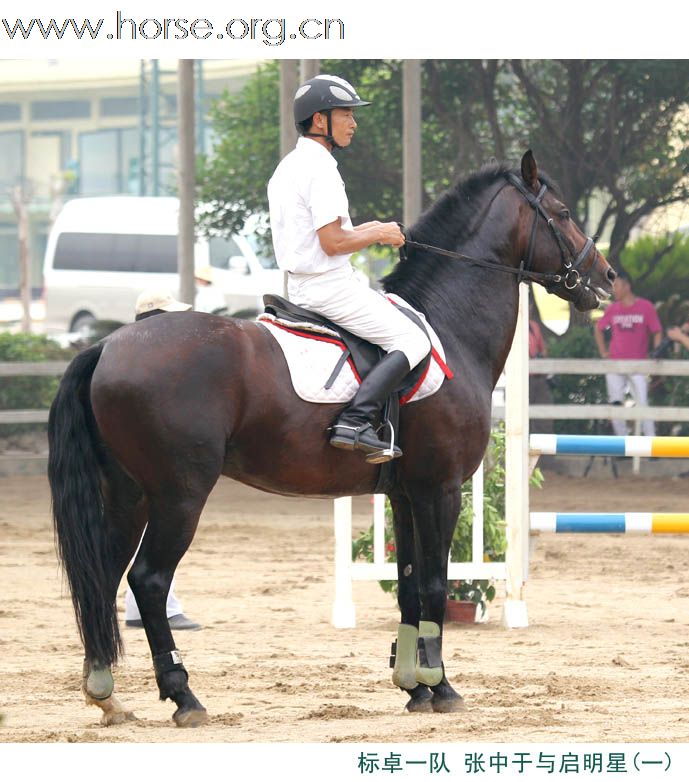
344 612
517 468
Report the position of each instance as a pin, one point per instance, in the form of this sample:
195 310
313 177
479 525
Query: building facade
72 128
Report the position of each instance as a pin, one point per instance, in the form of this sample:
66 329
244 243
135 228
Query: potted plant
467 600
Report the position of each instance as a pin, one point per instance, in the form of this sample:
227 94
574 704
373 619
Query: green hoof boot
98 682
404 657
429 669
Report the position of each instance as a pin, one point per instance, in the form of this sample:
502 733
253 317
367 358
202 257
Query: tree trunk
186 179
21 210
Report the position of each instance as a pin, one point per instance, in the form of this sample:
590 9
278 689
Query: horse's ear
530 170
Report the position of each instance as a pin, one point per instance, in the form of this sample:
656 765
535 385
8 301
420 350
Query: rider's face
342 122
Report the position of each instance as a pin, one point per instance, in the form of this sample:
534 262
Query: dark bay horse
146 421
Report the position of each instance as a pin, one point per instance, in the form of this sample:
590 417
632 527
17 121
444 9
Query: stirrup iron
386 454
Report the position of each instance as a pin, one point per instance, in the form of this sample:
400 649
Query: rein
521 271
571 275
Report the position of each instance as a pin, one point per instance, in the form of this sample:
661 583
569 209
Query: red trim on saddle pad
320 338
449 374
404 399
446 371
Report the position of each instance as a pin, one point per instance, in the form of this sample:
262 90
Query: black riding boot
353 429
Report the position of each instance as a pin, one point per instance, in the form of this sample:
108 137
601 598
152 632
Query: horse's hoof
448 705
114 712
419 706
118 718
190 718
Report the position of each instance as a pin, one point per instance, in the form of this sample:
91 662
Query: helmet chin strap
329 135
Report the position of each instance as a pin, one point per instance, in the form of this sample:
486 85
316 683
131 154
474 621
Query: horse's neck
486 305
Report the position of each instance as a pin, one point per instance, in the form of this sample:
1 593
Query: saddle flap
365 355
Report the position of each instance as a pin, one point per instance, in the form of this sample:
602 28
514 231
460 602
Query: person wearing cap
155 302
149 303
314 239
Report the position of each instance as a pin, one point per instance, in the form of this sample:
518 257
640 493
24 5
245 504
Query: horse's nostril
611 275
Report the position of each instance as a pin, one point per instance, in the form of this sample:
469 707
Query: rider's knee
416 347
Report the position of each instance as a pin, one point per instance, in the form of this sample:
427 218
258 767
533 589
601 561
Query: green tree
233 180
612 133
659 267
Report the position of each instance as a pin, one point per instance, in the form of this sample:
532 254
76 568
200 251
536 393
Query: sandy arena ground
605 658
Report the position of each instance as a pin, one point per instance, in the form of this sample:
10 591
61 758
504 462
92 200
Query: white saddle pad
311 360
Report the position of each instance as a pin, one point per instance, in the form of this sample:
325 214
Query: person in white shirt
314 238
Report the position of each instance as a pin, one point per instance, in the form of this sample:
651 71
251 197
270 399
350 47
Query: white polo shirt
305 193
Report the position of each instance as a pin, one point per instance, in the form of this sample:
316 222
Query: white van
103 252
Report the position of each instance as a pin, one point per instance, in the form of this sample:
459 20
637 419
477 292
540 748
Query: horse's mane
453 218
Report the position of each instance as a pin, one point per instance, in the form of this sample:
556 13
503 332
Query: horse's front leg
405 649
435 511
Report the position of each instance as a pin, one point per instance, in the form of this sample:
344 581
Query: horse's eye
564 214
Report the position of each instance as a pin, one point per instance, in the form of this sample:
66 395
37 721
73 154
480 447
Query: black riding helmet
324 93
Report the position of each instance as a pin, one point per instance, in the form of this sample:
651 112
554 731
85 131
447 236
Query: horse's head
555 245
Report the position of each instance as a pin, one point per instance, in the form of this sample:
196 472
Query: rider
314 239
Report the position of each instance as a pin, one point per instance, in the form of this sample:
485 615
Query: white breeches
638 385
340 296
172 606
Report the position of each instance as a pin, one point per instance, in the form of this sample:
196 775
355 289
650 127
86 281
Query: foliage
19 393
480 591
233 180
612 132
659 267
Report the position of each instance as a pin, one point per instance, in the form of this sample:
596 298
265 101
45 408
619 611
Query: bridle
570 271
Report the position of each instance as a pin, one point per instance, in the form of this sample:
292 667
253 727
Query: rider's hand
390 234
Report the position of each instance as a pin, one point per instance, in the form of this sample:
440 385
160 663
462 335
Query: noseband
570 273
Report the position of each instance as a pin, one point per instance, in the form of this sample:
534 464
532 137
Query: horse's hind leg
404 672
171 527
125 514
435 511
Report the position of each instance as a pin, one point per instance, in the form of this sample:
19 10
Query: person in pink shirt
633 321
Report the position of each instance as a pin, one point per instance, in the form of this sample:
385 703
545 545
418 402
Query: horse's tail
78 509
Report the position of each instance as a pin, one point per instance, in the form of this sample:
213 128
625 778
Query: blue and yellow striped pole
596 445
649 523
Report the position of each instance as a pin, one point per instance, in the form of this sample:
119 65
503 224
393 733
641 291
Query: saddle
364 355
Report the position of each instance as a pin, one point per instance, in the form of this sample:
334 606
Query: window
119 107
263 250
108 161
220 250
60 109
9 257
116 253
99 163
10 112
11 156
